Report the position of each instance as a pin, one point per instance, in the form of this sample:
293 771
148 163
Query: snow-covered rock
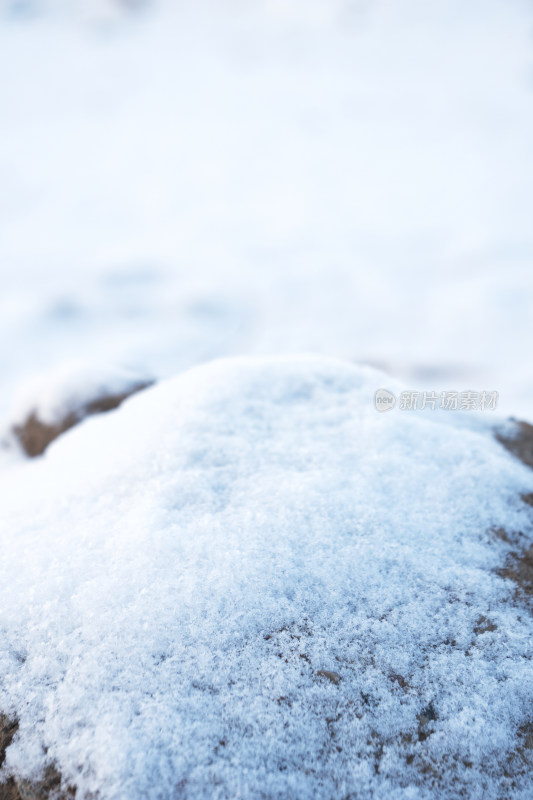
53 402
246 582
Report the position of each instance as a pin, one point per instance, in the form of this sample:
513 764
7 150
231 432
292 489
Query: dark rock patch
333 677
525 733
8 728
519 565
519 569
427 716
484 625
48 787
34 435
395 677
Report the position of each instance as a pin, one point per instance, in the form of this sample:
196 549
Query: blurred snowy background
185 179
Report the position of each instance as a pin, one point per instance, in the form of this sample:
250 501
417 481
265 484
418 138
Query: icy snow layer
246 582
210 178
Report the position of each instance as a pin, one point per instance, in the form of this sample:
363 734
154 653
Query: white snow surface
176 573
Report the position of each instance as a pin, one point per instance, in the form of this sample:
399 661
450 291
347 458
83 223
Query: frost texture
245 582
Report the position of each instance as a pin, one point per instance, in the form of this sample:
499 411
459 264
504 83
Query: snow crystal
246 582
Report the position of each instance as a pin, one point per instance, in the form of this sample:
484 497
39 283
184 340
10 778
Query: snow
204 179
178 576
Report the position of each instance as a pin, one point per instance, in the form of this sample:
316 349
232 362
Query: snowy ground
196 179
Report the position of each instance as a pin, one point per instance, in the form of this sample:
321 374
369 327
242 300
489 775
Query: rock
519 565
519 568
34 435
8 728
47 788
527 732
334 677
58 401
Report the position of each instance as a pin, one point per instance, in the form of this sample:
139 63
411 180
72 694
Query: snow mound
246 582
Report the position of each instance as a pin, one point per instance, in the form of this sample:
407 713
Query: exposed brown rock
484 625
528 498
8 728
334 677
520 445
395 677
425 718
526 734
46 788
519 568
34 435
9 790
